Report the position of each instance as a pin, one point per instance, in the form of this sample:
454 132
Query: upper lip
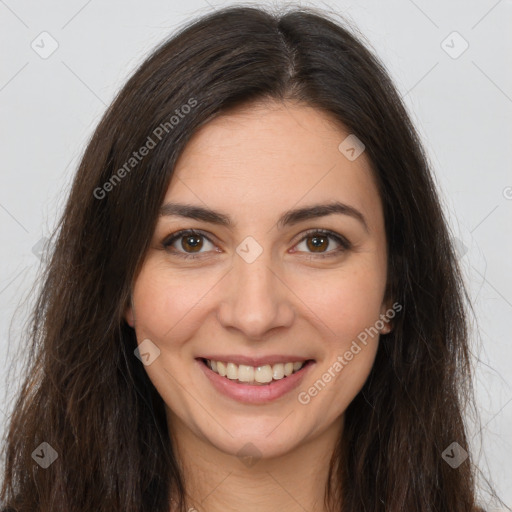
256 361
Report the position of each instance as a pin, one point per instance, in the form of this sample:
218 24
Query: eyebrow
288 218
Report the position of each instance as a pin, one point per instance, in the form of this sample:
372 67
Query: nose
255 299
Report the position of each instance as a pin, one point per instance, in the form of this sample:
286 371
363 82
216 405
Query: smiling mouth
256 376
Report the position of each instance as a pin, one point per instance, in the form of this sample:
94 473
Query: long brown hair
86 394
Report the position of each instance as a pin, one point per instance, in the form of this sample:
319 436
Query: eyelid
343 242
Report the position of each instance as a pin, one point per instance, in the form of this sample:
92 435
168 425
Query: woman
253 301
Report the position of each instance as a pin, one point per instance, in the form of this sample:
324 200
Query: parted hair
88 396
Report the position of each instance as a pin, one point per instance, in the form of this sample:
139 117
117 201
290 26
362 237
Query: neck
216 481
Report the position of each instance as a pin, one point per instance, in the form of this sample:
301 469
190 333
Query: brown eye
186 243
192 242
318 241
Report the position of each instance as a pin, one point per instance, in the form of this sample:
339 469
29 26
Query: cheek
165 302
344 303
347 309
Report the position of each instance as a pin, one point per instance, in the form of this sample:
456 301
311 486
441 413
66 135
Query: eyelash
343 242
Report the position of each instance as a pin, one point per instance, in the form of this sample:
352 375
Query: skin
253 164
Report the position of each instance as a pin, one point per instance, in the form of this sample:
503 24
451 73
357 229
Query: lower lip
250 394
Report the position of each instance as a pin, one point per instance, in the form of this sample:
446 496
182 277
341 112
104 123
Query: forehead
270 156
265 133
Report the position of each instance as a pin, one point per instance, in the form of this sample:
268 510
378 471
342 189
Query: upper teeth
260 374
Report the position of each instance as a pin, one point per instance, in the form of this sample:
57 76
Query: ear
129 315
385 318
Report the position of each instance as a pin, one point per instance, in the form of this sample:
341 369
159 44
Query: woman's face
261 287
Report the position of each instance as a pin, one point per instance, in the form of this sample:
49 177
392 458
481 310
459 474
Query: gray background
460 102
